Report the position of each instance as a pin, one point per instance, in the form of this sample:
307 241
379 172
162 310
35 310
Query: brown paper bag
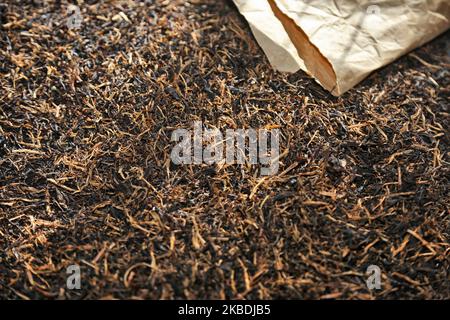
340 42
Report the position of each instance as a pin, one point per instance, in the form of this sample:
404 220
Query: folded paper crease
340 42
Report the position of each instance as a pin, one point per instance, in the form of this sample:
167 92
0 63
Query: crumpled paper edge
270 37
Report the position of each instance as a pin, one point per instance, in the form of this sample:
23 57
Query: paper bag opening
315 63
340 43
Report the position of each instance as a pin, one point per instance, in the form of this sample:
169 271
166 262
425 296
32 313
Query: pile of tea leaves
86 178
